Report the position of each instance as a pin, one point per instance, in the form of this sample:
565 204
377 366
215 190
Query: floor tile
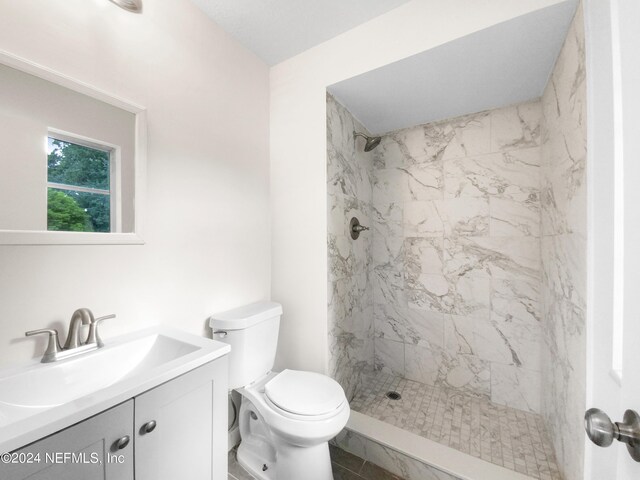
341 473
345 466
505 436
345 459
373 472
236 472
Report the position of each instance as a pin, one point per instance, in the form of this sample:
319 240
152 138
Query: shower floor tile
511 438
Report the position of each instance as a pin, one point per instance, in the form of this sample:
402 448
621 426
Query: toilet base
258 463
290 463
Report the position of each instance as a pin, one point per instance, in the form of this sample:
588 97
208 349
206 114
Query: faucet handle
53 346
94 336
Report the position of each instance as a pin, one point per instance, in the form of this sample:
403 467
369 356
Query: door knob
602 431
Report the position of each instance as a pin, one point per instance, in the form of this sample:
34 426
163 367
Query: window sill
25 237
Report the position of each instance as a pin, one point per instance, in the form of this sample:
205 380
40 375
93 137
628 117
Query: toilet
286 418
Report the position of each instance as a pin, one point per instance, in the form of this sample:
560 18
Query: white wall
207 223
298 149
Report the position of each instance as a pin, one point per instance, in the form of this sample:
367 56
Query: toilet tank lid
246 316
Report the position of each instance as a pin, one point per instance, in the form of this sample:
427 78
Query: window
79 185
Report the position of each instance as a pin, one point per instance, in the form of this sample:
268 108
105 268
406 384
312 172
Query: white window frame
114 192
47 237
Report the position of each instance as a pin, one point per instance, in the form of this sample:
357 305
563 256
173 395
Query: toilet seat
305 394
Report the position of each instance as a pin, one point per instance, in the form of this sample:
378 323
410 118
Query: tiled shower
470 287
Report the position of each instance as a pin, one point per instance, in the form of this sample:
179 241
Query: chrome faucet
93 338
82 316
73 345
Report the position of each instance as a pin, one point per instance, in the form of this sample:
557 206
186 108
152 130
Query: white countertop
23 422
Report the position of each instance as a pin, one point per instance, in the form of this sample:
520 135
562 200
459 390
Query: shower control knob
356 228
602 431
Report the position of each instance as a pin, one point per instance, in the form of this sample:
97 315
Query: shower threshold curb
425 451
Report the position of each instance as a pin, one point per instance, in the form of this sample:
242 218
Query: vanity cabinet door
181 427
86 451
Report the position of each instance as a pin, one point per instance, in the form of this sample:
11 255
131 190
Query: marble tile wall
564 213
474 276
349 171
456 254
391 460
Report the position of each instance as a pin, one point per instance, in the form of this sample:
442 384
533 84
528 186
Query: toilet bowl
286 418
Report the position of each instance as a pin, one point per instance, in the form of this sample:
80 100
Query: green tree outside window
78 166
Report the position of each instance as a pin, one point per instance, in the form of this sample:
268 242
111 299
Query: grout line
472 425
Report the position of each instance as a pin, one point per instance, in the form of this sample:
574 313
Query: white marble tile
433 294
389 322
424 328
500 257
422 255
459 137
341 258
388 286
455 262
466 372
470 295
340 126
341 175
513 257
425 143
517 299
467 294
563 198
563 204
346 298
512 219
514 174
459 334
391 460
387 238
335 214
564 260
472 136
516 387
516 126
349 168
389 185
423 219
465 216
508 343
407 325
422 364
389 356
424 181
350 305
390 153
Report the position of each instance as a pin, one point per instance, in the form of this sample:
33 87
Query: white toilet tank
252 332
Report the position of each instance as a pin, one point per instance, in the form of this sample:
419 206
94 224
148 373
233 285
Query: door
181 427
613 330
100 448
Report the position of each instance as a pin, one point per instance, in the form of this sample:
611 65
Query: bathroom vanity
150 405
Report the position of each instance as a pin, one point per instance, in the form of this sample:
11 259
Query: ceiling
276 30
502 65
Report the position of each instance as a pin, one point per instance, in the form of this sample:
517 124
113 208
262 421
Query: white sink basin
39 399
